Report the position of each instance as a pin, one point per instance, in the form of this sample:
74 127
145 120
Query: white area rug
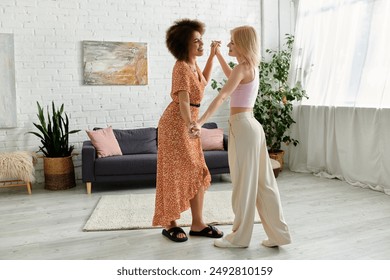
135 211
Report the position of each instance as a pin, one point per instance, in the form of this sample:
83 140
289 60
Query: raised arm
209 64
224 65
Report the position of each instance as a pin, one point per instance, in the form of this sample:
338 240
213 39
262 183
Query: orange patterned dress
181 167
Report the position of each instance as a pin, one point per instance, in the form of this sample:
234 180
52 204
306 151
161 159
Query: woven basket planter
59 173
278 156
275 167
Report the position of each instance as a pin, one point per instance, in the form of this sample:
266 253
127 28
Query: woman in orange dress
182 174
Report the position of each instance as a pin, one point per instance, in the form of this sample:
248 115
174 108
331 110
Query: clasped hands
194 129
215 45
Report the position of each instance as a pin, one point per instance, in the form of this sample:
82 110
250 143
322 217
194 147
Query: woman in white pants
254 184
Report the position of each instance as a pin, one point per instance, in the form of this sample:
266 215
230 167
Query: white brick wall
48 38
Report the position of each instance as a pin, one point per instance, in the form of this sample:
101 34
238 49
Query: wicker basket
59 173
275 167
278 156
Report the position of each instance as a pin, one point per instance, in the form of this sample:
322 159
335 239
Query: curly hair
179 35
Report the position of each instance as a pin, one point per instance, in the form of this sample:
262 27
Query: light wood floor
328 219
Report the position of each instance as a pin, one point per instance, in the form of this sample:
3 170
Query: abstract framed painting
7 81
115 63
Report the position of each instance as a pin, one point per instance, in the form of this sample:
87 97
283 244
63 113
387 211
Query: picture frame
115 63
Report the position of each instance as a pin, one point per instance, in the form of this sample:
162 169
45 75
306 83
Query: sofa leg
29 187
89 187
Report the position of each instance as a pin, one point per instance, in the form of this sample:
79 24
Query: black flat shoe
172 234
209 231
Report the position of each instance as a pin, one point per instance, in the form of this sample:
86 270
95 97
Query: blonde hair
247 43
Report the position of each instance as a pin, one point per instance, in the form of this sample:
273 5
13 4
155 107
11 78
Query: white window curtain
341 52
341 56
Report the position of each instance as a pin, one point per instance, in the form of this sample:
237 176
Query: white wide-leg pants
254 183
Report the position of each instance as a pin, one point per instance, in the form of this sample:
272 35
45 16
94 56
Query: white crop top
245 94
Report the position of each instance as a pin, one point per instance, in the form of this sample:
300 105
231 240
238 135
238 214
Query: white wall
48 38
277 19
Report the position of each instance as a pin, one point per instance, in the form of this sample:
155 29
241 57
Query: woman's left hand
194 130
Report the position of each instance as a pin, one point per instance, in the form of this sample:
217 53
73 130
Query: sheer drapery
342 58
347 143
341 52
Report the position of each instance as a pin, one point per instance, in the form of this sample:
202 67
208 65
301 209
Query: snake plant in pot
53 133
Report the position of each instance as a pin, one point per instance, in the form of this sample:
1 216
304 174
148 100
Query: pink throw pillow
212 139
105 142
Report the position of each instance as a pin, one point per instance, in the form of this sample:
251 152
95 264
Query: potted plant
54 135
274 103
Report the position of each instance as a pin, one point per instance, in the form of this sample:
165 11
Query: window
341 52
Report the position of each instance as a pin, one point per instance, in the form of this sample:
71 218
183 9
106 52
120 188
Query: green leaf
53 132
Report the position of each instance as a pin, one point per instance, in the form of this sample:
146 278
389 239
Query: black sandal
206 232
172 234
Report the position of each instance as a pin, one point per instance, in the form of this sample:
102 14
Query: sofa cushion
126 165
216 159
211 139
137 141
210 125
104 142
